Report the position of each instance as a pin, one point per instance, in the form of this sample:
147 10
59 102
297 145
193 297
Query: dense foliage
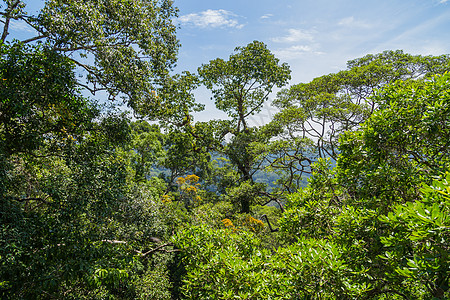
345 194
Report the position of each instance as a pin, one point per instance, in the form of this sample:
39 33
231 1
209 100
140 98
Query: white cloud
443 1
266 16
294 35
212 19
352 22
302 42
295 51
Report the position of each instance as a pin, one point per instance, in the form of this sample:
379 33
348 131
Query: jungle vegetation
345 194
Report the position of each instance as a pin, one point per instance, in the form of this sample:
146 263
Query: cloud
266 16
352 22
294 35
408 38
293 52
212 19
302 42
443 1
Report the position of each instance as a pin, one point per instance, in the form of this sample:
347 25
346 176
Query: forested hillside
344 194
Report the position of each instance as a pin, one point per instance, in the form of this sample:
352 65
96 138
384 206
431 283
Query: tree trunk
245 201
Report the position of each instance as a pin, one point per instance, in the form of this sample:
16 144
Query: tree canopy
240 87
242 84
345 194
125 48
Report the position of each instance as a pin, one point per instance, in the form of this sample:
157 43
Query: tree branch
268 223
272 198
143 254
160 248
8 17
33 39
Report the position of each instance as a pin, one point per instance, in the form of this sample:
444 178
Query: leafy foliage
225 264
123 47
417 245
373 203
72 226
40 103
314 115
96 206
240 87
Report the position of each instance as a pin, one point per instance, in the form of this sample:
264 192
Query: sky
315 37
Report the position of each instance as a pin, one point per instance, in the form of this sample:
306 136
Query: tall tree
72 224
240 87
123 47
377 203
40 104
314 115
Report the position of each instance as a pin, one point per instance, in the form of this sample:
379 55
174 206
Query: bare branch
160 248
8 18
33 39
268 223
272 198
113 242
91 90
92 47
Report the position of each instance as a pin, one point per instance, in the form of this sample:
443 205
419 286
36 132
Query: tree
417 242
146 149
49 150
40 102
123 47
72 223
380 204
240 87
314 115
401 145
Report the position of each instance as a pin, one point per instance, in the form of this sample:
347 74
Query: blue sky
314 37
